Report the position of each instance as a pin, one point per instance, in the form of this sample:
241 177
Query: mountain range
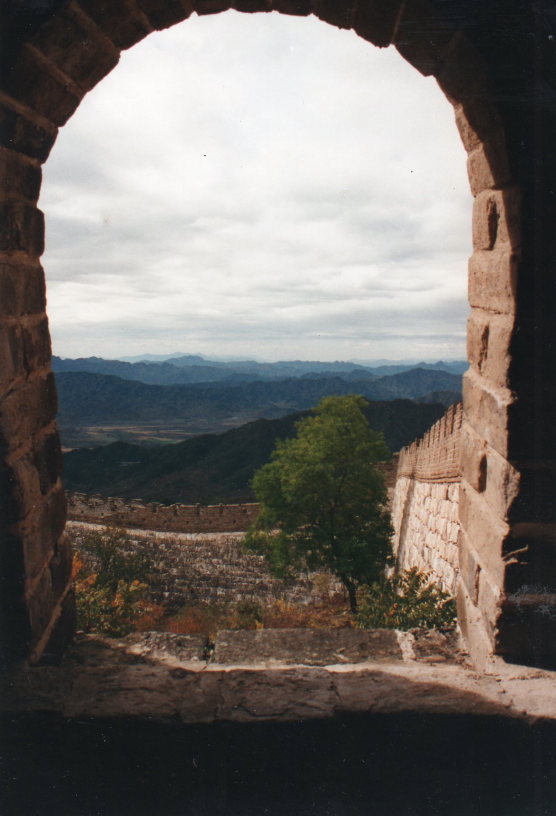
191 368
214 468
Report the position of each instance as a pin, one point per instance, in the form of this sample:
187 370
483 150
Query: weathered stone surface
26 135
211 569
314 647
21 228
72 43
425 502
130 678
122 22
22 289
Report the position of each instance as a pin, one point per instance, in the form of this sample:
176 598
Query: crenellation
425 507
195 518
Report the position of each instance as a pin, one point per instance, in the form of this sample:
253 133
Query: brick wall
194 518
210 568
425 509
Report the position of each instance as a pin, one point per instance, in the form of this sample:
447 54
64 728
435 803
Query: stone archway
490 64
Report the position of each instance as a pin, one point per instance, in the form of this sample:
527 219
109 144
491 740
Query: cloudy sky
259 186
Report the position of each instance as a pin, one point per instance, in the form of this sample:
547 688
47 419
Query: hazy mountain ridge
189 369
217 467
86 398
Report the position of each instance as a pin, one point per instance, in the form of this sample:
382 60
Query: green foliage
405 601
323 500
114 565
111 596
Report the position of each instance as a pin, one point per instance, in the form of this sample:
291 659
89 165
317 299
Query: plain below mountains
214 468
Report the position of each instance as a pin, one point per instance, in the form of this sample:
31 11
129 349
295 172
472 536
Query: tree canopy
323 500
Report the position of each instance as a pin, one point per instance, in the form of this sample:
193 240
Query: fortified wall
190 569
183 518
425 501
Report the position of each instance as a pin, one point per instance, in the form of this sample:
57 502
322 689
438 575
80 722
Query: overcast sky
261 186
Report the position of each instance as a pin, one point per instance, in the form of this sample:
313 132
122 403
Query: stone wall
209 568
425 510
183 518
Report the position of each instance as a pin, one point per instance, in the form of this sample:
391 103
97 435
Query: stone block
478 639
493 281
31 83
36 345
488 344
20 178
121 22
298 8
21 228
74 44
25 135
249 6
312 647
11 355
41 605
47 458
22 289
463 73
377 22
487 410
21 488
28 409
497 218
339 14
40 532
485 532
60 566
163 15
421 38
476 120
487 165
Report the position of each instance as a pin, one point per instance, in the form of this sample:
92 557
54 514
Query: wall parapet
436 457
179 518
425 504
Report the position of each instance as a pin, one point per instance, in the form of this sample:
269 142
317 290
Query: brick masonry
425 504
209 568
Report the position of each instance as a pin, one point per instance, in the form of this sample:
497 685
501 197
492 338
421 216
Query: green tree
323 500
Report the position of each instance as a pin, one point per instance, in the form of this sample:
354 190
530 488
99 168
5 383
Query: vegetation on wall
408 600
111 586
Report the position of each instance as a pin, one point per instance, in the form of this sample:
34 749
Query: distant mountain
190 369
86 399
217 467
155 358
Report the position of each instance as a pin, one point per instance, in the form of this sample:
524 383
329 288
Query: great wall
197 553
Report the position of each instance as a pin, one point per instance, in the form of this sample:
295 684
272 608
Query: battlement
425 504
184 518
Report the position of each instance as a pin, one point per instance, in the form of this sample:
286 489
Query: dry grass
327 613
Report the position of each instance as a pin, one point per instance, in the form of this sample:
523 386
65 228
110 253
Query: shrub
408 600
111 595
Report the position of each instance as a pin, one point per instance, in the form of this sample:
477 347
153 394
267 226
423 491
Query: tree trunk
352 592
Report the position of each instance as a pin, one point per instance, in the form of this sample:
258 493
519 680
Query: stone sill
164 678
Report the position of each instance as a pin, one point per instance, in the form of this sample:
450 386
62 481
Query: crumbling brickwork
425 505
211 568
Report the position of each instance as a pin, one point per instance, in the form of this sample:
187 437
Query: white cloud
261 185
